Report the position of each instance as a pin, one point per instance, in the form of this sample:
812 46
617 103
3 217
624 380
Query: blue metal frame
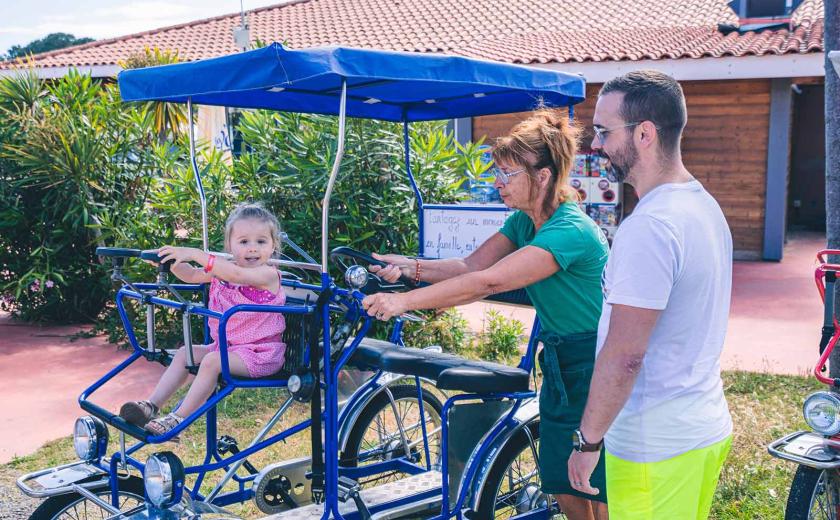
519 88
332 417
213 461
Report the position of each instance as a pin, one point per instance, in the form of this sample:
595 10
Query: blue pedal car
421 433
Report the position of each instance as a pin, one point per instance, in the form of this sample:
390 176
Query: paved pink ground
773 327
776 313
43 373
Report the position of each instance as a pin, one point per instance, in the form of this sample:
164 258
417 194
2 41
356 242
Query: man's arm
616 368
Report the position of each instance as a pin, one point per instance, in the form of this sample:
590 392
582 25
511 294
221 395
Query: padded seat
449 372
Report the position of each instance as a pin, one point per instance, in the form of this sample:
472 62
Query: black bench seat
449 372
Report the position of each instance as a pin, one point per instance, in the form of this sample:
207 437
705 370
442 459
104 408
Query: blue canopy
392 86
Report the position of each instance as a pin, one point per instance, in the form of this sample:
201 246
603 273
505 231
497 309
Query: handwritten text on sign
455 232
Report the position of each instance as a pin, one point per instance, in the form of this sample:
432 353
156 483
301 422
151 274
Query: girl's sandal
139 413
165 424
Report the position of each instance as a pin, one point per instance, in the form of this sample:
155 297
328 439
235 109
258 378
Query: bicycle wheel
73 506
375 437
513 483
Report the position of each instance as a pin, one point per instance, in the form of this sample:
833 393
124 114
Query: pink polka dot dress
256 337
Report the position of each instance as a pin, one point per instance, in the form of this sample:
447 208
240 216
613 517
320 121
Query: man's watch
579 443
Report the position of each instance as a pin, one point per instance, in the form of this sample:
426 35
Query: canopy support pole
203 199
417 194
339 154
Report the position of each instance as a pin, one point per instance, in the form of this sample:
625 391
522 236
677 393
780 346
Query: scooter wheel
814 494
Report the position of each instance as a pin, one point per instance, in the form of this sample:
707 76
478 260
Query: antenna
242 34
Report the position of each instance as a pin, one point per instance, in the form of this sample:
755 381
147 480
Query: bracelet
211 259
417 271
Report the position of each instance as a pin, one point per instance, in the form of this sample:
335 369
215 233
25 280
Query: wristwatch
579 443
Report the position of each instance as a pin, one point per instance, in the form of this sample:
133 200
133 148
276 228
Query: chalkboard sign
455 231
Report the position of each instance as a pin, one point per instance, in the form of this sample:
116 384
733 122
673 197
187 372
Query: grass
753 484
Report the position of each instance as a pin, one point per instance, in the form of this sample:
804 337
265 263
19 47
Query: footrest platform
375 497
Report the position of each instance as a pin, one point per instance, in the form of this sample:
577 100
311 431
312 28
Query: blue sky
22 21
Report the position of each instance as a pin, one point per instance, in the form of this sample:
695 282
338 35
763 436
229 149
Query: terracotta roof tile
519 31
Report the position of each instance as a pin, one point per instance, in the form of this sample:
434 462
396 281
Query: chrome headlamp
163 478
356 276
90 438
822 413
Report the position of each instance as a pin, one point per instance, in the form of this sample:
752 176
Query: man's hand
384 306
581 466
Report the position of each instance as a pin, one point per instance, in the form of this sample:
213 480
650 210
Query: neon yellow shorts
680 487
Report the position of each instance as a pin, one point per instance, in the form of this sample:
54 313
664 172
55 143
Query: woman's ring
578 483
380 314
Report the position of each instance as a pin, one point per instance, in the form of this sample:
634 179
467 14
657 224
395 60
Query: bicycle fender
527 415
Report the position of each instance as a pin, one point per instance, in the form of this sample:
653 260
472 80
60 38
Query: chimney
756 15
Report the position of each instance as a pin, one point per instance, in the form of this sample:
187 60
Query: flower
35 286
50 284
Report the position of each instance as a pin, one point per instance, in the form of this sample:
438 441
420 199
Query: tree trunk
832 148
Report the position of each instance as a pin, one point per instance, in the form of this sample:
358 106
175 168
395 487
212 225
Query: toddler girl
254 343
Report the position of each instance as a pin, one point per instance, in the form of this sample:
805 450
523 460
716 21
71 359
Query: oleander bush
79 169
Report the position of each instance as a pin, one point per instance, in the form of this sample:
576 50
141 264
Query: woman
553 250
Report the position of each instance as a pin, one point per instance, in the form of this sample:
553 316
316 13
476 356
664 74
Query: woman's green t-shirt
569 301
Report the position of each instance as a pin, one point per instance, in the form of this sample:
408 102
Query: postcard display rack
600 198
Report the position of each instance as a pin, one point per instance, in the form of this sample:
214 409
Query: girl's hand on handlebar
397 265
177 254
384 306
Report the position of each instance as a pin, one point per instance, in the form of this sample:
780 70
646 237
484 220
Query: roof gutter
688 69
683 69
96 71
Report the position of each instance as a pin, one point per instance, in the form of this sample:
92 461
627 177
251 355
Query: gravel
14 505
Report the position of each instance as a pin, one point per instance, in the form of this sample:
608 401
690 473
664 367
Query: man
656 397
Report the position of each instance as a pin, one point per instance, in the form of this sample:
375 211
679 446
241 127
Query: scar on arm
633 364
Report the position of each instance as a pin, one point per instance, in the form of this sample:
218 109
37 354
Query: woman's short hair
547 139
255 211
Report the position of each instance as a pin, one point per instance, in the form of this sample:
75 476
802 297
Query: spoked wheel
814 495
513 483
73 506
376 436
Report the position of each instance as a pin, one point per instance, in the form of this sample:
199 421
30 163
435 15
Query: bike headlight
90 438
163 478
822 413
356 276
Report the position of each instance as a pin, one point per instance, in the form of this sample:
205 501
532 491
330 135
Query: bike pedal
347 488
226 444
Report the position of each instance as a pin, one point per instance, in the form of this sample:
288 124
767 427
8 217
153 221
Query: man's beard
621 162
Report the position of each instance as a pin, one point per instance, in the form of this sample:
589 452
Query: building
752 72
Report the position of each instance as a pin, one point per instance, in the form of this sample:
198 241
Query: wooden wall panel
724 146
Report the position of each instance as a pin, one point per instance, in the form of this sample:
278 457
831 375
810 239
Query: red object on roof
519 31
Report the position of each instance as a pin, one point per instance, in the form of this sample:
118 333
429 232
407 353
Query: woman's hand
397 265
178 254
384 306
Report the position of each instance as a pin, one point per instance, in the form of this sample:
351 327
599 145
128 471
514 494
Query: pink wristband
211 259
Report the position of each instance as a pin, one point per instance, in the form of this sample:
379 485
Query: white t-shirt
674 254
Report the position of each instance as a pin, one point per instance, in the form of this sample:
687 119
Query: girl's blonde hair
547 139
256 211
